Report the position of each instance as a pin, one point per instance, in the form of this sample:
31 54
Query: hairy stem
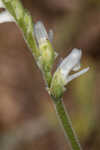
66 124
24 20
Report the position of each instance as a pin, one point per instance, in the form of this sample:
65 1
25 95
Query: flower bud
45 47
6 17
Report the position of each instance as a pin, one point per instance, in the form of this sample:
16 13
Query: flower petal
1 4
73 76
70 62
6 17
40 32
50 35
77 67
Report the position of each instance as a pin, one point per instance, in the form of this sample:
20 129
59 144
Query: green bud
19 11
28 23
45 47
47 55
57 85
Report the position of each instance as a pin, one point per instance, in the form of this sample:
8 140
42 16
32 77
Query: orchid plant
40 45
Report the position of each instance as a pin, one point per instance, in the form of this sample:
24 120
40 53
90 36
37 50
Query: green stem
66 124
24 20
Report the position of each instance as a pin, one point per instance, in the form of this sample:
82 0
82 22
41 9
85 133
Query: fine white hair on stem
6 17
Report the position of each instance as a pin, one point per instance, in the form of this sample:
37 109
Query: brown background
27 117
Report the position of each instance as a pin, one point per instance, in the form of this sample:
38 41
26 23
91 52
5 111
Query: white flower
1 4
42 37
50 35
71 63
41 34
6 17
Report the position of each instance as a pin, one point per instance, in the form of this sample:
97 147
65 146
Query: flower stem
65 121
24 20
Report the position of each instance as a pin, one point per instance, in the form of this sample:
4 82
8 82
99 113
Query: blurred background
27 117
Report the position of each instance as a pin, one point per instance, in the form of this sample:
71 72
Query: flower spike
40 43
